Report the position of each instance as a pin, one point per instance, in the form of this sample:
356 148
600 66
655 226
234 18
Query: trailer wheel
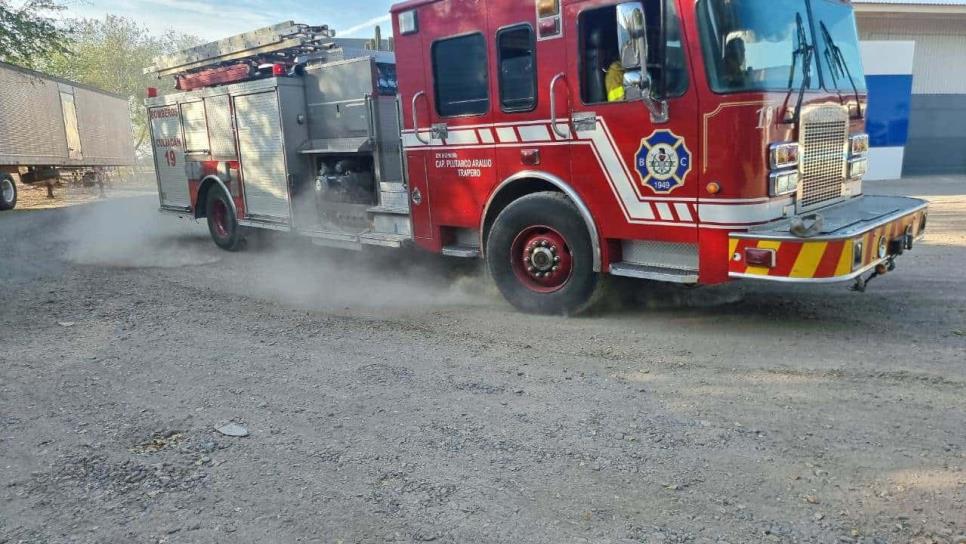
8 192
222 225
541 256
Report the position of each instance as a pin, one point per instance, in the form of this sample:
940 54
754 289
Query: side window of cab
516 47
461 76
602 76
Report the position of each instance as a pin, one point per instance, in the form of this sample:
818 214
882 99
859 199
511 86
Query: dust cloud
279 267
132 233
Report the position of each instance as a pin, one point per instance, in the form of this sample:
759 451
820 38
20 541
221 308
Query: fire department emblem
663 161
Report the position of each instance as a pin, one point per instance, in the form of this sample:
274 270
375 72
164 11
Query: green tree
111 54
29 32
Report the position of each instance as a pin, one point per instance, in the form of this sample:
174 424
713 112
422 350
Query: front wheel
8 193
541 256
222 223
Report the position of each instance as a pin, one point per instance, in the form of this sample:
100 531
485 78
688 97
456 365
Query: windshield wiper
805 51
836 61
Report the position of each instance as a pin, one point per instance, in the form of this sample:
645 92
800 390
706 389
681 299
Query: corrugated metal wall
105 127
31 121
940 48
937 120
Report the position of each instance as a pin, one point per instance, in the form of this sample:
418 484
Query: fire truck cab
670 140
683 141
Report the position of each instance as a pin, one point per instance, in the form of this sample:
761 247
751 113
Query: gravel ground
397 398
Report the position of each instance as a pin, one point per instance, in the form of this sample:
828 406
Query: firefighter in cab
614 81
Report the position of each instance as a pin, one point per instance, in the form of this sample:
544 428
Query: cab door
648 163
445 67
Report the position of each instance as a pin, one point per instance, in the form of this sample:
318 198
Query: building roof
914 2
912 7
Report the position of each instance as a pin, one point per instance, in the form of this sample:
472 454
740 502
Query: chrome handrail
427 141
553 106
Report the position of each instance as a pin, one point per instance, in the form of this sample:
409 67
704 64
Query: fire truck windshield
754 45
838 46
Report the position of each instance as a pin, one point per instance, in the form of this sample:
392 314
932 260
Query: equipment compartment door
261 148
74 151
195 128
169 157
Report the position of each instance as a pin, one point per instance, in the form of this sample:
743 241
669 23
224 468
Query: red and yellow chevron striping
825 259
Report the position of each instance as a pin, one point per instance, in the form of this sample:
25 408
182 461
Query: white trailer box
48 122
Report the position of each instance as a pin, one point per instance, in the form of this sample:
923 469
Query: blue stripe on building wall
890 101
888 69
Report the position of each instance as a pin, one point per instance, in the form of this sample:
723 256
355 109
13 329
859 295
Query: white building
936 142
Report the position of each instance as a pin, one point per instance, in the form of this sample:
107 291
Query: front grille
825 136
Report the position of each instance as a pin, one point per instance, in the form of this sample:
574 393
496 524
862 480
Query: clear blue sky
214 19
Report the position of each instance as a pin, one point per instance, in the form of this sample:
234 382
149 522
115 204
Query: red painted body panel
727 137
233 184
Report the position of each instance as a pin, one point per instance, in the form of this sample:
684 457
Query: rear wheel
8 192
541 256
222 223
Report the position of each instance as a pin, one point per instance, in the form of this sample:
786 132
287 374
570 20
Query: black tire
574 289
8 193
222 224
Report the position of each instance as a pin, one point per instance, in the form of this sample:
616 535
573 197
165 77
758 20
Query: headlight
858 168
859 144
784 183
784 155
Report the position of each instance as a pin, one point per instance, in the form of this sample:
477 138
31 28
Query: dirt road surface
399 399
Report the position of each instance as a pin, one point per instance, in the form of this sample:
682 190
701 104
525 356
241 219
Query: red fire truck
692 142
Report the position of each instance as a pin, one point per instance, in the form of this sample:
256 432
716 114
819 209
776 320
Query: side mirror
632 40
632 35
637 85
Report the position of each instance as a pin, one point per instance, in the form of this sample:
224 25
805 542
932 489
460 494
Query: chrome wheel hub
542 258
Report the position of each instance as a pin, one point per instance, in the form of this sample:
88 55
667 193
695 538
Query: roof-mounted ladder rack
280 38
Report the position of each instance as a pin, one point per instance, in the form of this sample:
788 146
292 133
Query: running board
389 210
263 224
462 252
335 240
385 240
654 273
181 212
391 220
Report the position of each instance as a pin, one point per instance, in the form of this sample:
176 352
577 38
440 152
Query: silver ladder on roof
278 38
